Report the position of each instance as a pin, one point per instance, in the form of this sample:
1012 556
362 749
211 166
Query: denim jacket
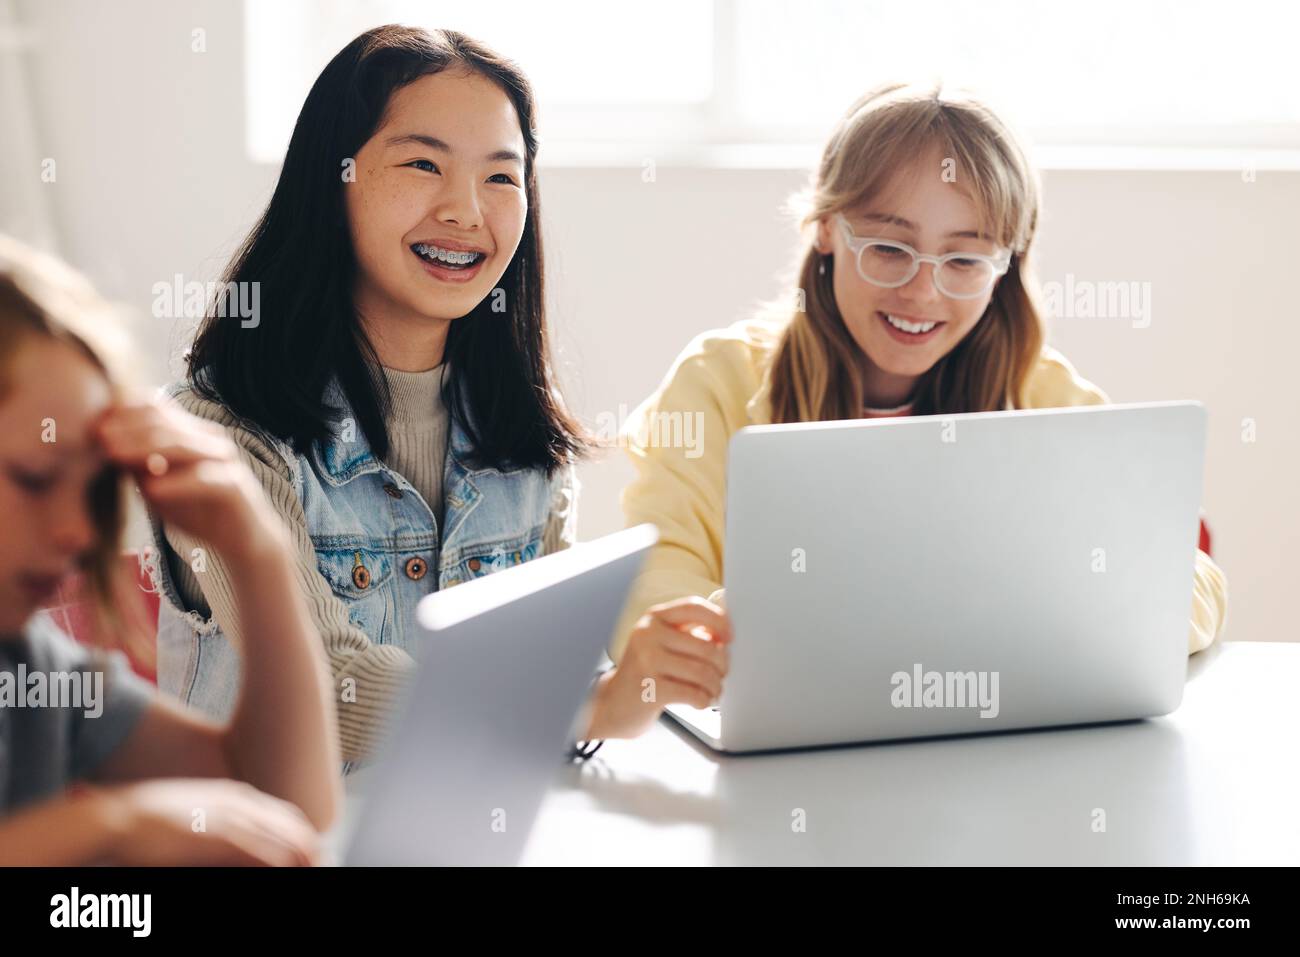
377 544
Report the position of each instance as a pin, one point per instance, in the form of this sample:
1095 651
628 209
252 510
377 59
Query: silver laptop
935 575
505 668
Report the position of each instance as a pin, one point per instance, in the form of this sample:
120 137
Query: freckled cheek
365 222
381 211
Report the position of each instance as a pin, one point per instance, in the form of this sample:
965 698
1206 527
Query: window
684 74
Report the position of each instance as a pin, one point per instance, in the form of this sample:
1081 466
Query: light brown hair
816 372
41 298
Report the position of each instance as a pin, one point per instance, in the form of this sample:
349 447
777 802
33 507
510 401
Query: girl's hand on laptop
189 472
677 654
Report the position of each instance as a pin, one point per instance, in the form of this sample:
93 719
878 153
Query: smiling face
439 204
48 529
934 217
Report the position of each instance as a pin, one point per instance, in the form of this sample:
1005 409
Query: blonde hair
816 373
41 298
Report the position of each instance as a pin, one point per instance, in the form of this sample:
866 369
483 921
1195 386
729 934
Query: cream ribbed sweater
418 429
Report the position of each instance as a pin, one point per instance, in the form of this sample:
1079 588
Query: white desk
1217 782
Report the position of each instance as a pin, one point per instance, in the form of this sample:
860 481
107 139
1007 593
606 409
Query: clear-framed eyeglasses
890 263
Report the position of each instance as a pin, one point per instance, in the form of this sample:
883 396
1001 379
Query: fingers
181 484
242 826
669 691
712 653
132 434
693 672
249 846
667 647
238 850
132 447
688 613
695 668
157 412
278 842
266 830
286 822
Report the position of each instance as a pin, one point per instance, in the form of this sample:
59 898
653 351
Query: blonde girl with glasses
915 297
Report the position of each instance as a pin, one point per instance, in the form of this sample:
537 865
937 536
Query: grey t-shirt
64 708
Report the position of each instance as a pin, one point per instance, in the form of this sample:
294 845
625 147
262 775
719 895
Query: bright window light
683 74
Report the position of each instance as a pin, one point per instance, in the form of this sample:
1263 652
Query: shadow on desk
641 795
1092 795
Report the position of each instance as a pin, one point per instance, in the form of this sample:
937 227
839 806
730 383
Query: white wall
153 181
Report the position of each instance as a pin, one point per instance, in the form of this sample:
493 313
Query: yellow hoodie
720 384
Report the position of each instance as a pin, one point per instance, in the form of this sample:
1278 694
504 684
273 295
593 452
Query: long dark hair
274 372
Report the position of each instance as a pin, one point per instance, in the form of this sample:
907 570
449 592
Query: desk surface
1217 782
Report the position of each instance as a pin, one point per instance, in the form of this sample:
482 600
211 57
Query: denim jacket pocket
363 579
486 560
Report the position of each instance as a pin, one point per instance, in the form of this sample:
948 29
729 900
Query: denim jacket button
392 490
475 564
415 568
360 573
